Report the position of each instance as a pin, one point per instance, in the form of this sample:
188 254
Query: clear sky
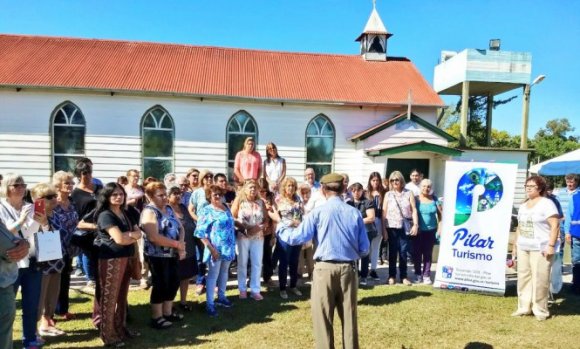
548 29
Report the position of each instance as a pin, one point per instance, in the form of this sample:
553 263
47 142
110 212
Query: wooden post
488 119
464 111
525 116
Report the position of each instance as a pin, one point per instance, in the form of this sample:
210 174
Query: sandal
175 316
185 307
132 333
160 323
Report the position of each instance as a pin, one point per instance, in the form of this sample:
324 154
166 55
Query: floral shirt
251 213
218 227
394 201
289 210
67 219
168 226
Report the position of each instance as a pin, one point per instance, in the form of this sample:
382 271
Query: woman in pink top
248 162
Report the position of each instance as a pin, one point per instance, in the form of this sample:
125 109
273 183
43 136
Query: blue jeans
201 266
398 245
576 263
216 275
288 256
7 315
30 280
89 265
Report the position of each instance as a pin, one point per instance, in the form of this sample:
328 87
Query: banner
477 206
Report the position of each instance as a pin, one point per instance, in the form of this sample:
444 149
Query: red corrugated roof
124 66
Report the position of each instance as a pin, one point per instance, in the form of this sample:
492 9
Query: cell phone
39 206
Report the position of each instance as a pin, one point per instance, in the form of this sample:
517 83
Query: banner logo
480 184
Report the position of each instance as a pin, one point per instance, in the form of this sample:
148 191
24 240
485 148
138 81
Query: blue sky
550 30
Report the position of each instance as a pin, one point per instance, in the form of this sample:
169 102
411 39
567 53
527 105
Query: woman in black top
115 241
367 210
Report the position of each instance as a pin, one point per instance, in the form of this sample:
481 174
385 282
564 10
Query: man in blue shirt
341 239
8 275
572 230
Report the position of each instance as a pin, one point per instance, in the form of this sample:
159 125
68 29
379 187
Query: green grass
389 317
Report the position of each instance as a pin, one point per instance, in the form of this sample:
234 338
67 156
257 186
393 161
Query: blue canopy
559 166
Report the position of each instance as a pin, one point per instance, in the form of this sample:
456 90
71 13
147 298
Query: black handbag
83 239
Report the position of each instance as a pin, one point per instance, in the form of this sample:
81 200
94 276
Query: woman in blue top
429 210
215 228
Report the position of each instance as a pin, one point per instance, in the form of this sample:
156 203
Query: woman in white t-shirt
274 167
536 244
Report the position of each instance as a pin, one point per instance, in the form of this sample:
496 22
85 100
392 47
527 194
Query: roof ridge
153 43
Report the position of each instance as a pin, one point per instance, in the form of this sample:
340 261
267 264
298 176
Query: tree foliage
554 140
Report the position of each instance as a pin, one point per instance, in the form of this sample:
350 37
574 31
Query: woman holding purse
115 244
401 224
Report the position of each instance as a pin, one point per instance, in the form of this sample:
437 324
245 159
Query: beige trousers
334 286
49 290
533 282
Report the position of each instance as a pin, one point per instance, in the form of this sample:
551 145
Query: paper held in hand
48 246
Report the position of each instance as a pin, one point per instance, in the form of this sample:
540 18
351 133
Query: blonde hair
285 182
9 179
60 177
243 195
41 190
396 175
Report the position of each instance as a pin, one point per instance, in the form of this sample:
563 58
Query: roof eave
19 87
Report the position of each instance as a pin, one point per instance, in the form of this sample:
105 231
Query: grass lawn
389 317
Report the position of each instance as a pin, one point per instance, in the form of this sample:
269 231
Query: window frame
241 132
332 128
68 123
157 127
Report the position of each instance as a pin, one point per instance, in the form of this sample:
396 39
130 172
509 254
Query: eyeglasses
117 194
216 195
49 197
530 186
69 183
19 185
394 180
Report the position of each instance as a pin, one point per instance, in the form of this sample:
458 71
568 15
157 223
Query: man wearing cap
339 233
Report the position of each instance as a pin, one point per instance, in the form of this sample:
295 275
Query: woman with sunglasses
67 217
51 270
537 238
21 220
402 223
115 242
215 228
187 266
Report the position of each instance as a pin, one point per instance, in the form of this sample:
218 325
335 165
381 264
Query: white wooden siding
25 154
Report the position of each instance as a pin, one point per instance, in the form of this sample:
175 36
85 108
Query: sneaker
224 302
91 284
283 294
50 332
256 296
427 281
243 294
418 279
79 272
374 275
211 311
363 282
406 282
295 291
392 281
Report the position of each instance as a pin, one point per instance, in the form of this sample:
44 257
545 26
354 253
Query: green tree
476 121
554 140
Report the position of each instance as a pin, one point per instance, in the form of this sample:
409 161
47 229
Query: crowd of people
169 231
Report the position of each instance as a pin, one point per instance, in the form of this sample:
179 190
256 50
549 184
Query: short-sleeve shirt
534 227
248 164
362 206
251 213
168 226
84 201
218 227
107 247
67 219
198 200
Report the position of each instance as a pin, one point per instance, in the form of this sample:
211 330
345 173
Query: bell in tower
373 40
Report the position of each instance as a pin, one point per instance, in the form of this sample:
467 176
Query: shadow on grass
478 345
568 306
393 298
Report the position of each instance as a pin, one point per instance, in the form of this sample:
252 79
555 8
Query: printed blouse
398 203
218 227
251 213
67 219
168 226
